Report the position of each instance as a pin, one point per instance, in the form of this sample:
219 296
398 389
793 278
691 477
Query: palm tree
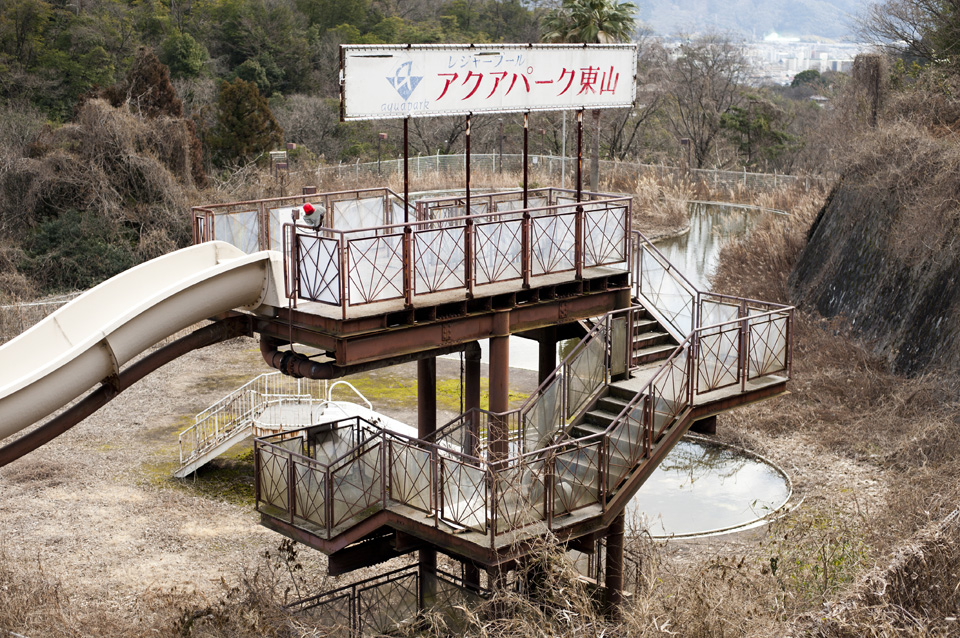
592 22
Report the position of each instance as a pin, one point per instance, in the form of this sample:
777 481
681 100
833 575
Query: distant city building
777 60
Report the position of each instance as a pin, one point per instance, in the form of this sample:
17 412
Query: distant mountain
753 18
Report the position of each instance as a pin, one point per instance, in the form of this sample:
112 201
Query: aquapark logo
405 83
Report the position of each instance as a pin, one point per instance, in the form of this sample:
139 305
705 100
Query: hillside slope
885 251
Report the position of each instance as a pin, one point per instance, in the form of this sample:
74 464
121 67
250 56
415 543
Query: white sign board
395 81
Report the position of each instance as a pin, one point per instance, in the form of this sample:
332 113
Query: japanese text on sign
399 81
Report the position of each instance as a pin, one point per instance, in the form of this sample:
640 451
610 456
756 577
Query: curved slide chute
87 341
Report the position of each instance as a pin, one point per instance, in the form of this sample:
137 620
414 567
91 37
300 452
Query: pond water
695 253
702 487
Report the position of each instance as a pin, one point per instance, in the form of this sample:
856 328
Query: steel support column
613 576
705 426
426 425
471 401
499 396
548 353
466 161
426 396
580 155
526 155
471 392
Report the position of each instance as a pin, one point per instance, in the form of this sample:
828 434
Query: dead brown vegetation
108 178
849 403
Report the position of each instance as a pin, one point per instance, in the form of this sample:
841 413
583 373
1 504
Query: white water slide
88 340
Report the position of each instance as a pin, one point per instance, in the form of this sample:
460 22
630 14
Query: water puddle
695 253
702 487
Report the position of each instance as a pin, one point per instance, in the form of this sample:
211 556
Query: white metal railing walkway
232 418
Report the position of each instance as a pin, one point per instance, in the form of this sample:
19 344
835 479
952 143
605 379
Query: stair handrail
697 297
602 328
501 479
256 389
352 387
500 475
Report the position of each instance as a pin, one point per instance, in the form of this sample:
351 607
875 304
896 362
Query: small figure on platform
313 217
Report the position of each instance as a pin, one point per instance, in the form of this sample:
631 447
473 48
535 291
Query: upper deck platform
441 275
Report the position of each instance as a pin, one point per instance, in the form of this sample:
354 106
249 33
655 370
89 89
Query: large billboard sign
393 81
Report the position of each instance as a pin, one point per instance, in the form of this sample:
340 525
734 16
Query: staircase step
599 417
647 339
212 450
583 429
653 353
644 325
620 394
612 404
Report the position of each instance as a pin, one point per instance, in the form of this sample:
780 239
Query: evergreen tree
591 22
245 125
147 88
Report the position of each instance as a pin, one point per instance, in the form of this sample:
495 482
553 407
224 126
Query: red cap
307 208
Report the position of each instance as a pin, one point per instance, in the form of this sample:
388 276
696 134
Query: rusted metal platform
661 356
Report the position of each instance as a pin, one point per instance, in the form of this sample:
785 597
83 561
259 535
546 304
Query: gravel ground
98 508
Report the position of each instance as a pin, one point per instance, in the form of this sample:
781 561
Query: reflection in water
695 253
701 487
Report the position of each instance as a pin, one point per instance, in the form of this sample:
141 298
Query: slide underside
87 341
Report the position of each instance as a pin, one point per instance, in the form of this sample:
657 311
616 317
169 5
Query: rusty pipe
298 365
110 388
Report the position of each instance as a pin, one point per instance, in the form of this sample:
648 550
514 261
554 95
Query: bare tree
625 127
311 121
707 75
928 29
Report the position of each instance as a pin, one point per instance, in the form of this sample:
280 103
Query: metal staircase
577 451
241 414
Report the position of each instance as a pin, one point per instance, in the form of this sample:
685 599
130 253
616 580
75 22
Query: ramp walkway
269 404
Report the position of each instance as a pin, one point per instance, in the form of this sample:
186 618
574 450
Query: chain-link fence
16 318
562 170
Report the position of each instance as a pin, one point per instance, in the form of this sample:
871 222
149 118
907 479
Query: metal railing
435 208
380 604
535 471
19 317
556 167
258 224
364 254
545 474
349 268
239 409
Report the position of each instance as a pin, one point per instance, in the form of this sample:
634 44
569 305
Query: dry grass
847 403
35 603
